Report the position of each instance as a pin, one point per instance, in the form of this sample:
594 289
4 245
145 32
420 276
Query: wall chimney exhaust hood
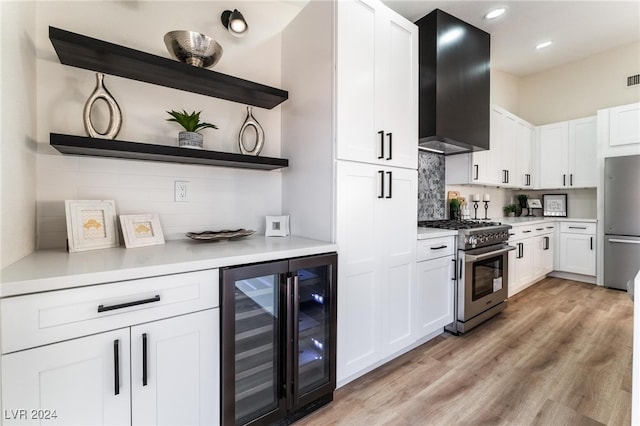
454 85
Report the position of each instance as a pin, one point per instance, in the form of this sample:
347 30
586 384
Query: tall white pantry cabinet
351 124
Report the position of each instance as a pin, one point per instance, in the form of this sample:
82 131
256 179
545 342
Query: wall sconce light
234 22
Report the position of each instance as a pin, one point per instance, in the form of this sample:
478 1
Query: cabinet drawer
43 318
578 228
435 247
519 232
543 228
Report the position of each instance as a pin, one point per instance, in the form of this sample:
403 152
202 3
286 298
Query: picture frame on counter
91 224
277 226
141 230
554 205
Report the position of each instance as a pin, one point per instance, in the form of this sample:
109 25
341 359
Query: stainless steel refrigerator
621 220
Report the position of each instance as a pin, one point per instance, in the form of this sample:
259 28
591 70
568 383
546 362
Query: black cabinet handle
116 366
546 243
144 359
102 308
475 166
571 179
390 146
507 175
591 242
390 174
512 234
525 232
454 270
549 227
460 265
438 248
381 133
577 227
528 180
539 229
381 173
520 251
564 180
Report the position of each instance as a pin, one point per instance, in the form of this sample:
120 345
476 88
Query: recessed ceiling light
495 13
544 44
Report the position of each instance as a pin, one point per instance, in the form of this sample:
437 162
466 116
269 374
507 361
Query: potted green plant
510 210
190 137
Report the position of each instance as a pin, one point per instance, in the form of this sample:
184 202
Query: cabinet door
400 97
542 255
434 295
523 273
523 176
554 152
507 152
358 109
578 253
175 376
396 220
359 297
624 125
85 381
582 152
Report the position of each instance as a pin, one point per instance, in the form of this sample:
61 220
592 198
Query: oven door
484 279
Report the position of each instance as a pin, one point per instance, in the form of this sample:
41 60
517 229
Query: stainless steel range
482 270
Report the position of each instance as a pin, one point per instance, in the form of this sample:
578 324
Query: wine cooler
278 339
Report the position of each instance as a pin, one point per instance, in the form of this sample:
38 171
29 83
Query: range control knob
472 240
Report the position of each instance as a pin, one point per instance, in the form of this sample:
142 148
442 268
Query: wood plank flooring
560 354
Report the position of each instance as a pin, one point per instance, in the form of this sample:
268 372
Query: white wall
17 130
580 88
505 91
221 198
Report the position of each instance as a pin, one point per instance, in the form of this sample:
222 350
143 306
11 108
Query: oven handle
473 258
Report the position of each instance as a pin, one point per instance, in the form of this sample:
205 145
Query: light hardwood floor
560 354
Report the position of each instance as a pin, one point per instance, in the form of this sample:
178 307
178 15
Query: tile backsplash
431 186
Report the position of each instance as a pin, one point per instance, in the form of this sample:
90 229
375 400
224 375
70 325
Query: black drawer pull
116 366
578 227
549 227
525 232
103 308
438 248
539 229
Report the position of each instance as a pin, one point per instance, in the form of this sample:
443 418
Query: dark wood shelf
80 145
92 54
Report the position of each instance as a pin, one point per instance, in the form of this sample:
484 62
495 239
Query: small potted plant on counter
190 138
510 210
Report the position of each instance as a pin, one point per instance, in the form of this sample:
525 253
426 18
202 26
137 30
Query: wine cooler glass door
252 344
314 328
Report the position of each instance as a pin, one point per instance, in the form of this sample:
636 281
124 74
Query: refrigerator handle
617 240
294 344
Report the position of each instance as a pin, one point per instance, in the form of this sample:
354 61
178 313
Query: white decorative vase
190 140
250 121
115 115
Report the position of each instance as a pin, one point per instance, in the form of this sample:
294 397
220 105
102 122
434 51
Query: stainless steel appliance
482 270
621 220
278 339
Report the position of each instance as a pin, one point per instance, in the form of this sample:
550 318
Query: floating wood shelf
80 145
92 54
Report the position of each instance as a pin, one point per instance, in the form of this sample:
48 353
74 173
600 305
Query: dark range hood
454 85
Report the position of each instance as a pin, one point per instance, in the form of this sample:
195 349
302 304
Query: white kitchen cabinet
377 85
567 153
523 264
543 249
435 285
508 162
376 237
150 370
73 382
624 125
578 248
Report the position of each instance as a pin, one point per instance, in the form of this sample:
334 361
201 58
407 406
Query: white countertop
47 270
515 221
426 233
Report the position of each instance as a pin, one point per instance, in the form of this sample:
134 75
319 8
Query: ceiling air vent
633 80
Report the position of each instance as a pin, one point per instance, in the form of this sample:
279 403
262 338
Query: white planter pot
190 140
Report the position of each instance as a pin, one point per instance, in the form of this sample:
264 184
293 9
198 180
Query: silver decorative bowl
193 48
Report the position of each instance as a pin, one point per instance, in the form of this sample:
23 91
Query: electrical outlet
181 191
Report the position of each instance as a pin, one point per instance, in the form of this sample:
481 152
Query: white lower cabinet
71 383
435 288
533 257
578 248
542 247
137 352
522 266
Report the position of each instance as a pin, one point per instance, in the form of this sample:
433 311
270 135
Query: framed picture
555 205
91 224
534 203
141 230
277 226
